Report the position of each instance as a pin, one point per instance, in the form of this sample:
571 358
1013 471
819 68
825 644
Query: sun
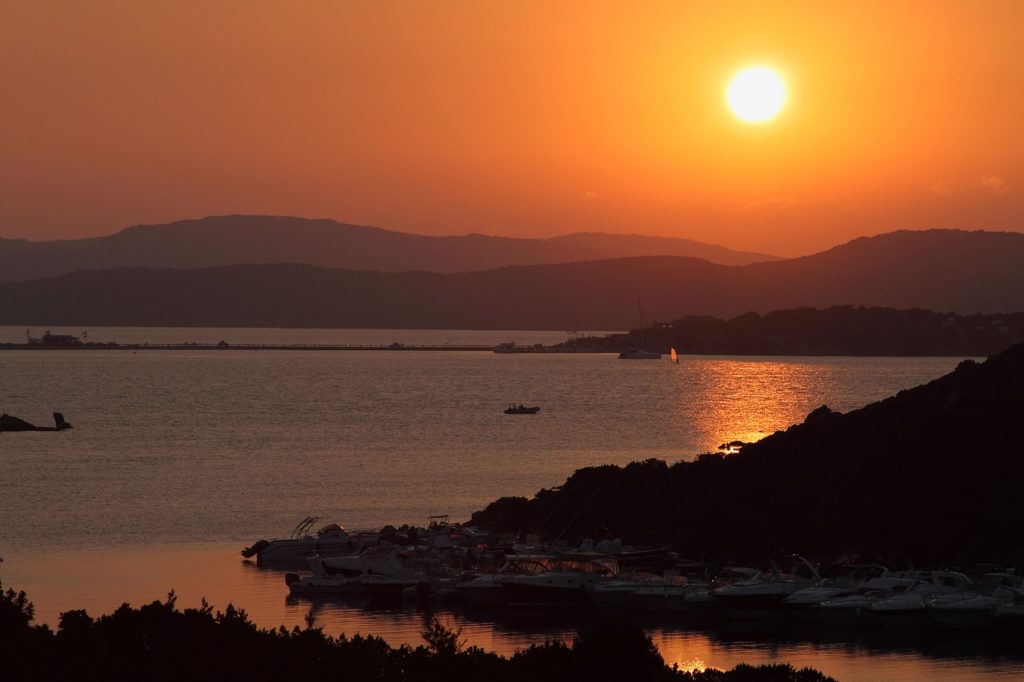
756 94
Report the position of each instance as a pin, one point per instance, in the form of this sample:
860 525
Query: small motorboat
521 409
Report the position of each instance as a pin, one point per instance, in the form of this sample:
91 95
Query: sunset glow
514 119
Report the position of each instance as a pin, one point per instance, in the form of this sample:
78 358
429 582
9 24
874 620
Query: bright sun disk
756 94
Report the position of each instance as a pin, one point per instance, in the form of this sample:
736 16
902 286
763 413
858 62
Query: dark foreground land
159 642
935 473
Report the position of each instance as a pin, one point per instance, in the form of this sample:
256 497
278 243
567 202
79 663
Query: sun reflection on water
748 399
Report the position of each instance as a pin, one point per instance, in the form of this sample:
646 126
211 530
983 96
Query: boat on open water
521 409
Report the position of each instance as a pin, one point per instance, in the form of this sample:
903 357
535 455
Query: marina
448 564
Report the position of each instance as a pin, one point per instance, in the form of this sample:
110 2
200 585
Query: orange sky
513 118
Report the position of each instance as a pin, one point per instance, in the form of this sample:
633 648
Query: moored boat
765 594
486 588
639 354
850 579
974 607
907 610
849 610
329 540
568 580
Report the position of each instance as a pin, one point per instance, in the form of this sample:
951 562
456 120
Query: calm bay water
180 458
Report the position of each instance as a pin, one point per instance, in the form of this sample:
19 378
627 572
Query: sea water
178 459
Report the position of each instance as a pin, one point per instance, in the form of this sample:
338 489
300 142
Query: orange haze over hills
517 119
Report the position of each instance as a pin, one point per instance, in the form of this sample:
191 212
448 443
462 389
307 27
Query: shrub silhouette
157 642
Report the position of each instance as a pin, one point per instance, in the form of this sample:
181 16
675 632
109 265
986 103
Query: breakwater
292 346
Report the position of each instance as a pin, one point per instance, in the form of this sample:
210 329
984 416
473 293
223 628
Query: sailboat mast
643 343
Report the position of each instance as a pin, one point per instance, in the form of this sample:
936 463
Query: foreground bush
159 642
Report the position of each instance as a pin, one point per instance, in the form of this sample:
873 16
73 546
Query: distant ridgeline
947 270
839 330
933 473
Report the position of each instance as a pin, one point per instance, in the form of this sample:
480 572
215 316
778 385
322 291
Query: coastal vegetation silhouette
158 641
837 330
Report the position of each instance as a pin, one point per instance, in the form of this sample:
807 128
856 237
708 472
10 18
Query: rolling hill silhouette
234 240
964 272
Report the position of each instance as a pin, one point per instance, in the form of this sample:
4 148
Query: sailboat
640 353
674 355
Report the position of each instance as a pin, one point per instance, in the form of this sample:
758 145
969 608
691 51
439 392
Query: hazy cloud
994 183
591 195
941 188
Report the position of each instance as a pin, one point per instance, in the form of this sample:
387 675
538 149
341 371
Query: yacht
385 570
640 353
674 597
764 593
851 579
974 607
323 581
907 609
329 540
568 581
858 608
486 588
626 591
681 593
334 585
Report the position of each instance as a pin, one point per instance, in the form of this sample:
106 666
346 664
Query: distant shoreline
476 348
